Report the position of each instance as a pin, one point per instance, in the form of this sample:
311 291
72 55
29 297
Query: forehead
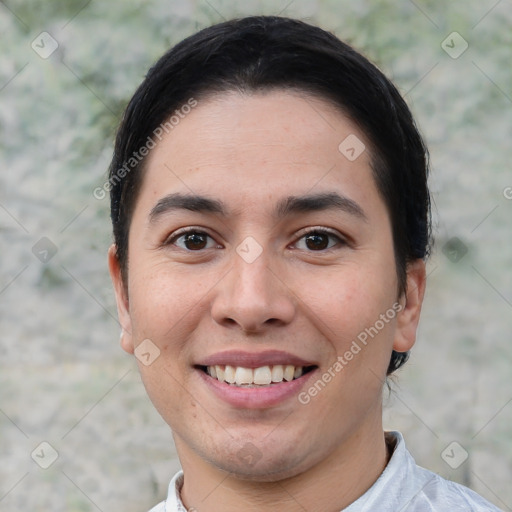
250 148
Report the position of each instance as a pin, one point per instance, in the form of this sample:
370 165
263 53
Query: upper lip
253 359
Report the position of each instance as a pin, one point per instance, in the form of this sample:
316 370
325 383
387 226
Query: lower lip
255 398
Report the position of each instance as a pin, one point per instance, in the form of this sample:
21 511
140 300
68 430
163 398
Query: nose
253 296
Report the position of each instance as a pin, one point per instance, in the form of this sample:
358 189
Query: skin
250 151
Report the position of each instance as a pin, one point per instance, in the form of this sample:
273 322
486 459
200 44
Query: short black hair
261 53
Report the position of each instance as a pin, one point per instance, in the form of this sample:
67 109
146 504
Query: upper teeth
261 376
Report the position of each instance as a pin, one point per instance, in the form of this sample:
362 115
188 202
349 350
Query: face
259 255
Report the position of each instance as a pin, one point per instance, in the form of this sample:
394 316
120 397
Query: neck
333 484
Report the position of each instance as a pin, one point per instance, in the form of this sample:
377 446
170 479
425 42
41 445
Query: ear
411 301
123 311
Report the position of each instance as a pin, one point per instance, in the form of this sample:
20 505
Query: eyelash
323 231
320 231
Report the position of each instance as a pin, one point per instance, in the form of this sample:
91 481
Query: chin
262 467
264 473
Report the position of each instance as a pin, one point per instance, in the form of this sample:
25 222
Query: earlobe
125 340
123 310
409 316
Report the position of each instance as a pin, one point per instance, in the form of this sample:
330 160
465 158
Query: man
272 219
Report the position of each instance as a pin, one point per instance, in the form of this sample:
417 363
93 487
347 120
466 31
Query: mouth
260 377
255 380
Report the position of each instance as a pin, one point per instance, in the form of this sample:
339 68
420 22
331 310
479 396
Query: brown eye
195 241
192 240
319 240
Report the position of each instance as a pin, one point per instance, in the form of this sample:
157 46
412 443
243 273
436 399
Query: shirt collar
173 502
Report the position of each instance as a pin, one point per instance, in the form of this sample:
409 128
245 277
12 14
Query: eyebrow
285 207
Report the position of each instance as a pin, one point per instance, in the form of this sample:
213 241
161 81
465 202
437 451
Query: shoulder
436 494
407 487
440 494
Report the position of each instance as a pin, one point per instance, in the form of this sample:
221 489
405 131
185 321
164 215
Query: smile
256 377
255 380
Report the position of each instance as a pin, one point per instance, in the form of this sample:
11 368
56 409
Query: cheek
349 295
163 301
347 306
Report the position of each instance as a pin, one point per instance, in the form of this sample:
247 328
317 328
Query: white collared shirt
402 487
